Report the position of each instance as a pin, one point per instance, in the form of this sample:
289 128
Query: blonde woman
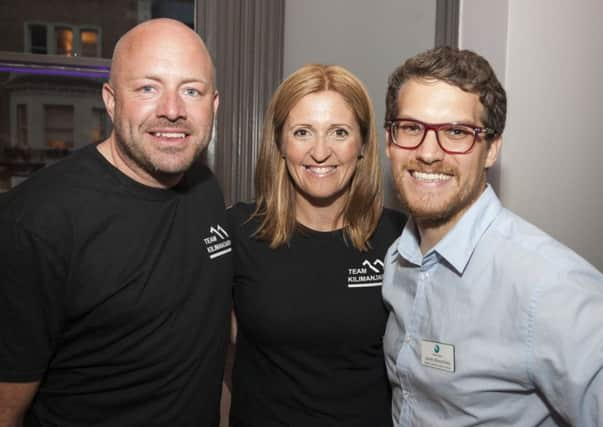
309 262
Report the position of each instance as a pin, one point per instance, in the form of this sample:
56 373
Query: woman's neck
320 218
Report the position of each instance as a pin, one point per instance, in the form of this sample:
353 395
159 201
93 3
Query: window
102 125
58 121
63 39
22 125
53 60
37 39
89 42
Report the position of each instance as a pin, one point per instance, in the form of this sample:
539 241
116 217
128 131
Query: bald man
115 267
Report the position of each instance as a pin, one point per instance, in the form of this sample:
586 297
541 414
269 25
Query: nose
430 151
321 149
171 106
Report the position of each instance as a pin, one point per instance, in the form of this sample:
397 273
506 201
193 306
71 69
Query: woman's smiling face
321 142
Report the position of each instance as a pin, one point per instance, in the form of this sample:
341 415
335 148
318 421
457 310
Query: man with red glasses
492 321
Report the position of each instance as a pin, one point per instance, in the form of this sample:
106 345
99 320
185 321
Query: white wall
550 57
370 38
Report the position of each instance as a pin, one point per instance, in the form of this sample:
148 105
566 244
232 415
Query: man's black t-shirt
115 296
310 327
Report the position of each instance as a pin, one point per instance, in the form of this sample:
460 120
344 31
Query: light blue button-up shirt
519 315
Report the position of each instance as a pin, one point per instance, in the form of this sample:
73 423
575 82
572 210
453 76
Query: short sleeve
31 279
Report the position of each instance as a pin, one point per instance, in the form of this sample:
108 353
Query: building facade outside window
54 58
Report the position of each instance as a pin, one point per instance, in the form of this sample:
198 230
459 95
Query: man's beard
135 153
434 217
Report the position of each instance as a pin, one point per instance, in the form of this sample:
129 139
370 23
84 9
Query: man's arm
15 398
32 276
568 346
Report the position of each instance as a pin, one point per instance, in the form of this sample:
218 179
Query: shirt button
407 338
405 394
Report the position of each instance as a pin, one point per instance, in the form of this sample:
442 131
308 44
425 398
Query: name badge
437 355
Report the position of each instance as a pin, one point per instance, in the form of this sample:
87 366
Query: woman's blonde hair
275 191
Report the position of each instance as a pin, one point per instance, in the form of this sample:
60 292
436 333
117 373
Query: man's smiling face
436 187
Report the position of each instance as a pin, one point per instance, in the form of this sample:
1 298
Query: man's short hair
461 68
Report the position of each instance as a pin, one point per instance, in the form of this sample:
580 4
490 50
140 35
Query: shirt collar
457 246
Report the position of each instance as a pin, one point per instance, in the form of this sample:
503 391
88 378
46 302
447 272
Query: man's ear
109 99
216 102
493 151
388 143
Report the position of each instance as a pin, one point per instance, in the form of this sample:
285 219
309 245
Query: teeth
431 176
169 134
321 170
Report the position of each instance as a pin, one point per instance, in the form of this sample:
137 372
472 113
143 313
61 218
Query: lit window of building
89 42
64 40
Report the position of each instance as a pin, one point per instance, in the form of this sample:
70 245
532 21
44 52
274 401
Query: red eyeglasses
453 138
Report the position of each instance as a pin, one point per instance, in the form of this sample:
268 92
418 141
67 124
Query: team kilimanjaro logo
370 274
218 242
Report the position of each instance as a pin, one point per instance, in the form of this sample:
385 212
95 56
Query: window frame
51 38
